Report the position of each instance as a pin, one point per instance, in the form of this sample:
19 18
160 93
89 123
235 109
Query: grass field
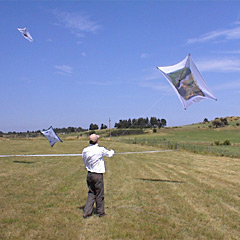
194 138
166 195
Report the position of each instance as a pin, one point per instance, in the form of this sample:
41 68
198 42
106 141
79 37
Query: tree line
153 122
37 133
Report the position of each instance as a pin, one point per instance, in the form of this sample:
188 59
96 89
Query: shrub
226 142
205 120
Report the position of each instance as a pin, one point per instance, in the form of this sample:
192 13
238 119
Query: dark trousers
95 194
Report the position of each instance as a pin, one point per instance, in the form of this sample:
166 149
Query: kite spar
25 34
51 136
187 82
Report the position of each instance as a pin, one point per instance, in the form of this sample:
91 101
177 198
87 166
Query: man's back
93 158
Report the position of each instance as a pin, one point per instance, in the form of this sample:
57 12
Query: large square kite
187 82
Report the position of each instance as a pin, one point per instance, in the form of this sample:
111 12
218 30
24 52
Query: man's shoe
102 215
86 216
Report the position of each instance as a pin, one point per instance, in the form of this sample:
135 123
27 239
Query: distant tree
159 124
129 123
79 129
141 122
153 122
205 120
163 122
216 123
103 126
224 121
147 123
134 122
70 129
124 124
93 126
220 122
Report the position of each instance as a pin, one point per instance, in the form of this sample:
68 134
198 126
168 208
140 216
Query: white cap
94 137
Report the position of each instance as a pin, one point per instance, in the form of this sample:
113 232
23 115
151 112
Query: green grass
192 138
167 195
195 135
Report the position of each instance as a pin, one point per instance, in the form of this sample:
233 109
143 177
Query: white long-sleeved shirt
93 158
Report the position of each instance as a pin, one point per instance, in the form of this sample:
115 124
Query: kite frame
25 31
51 128
188 62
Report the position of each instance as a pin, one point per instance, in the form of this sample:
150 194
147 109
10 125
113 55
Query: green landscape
189 189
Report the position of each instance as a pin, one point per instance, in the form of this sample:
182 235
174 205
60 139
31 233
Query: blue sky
95 60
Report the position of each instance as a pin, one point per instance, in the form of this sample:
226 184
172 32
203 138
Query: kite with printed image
187 82
51 136
25 33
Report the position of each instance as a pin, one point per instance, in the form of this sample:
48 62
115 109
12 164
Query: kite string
147 111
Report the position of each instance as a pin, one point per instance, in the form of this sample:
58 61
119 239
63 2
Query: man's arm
108 153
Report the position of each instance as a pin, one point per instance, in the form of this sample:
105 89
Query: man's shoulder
88 148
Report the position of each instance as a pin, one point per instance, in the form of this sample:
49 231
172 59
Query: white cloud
158 86
228 86
77 23
101 83
154 80
219 65
229 52
64 69
144 55
152 74
227 34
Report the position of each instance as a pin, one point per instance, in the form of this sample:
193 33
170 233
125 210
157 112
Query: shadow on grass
23 162
158 180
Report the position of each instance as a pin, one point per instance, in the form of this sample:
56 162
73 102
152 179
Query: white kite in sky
25 34
51 136
187 82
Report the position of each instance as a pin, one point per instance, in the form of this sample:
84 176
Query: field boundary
195 147
76 154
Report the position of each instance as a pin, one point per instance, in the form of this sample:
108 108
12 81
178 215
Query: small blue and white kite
187 82
25 33
51 136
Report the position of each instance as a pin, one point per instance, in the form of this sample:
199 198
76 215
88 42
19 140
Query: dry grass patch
168 195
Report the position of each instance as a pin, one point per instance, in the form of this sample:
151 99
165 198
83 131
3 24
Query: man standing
94 163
